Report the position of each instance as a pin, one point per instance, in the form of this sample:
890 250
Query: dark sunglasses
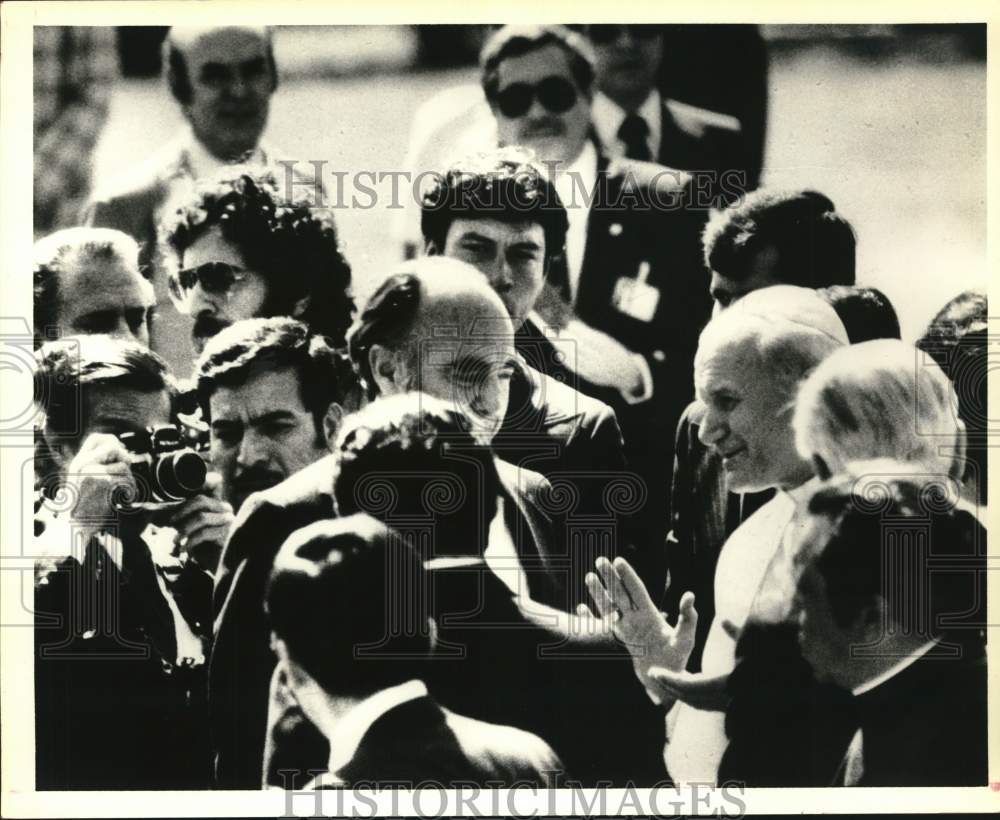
608 34
214 277
557 94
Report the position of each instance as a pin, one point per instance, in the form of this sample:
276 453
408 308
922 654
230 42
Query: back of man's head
506 185
348 597
801 234
957 340
410 461
867 313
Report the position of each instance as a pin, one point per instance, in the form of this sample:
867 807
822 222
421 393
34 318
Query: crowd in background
619 477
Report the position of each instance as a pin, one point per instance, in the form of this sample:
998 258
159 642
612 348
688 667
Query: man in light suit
626 306
223 79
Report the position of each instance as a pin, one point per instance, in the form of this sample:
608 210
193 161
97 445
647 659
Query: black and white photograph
589 416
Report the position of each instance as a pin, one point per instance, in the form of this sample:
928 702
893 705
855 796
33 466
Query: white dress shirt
575 186
608 117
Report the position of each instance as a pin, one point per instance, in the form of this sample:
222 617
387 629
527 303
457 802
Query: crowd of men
615 489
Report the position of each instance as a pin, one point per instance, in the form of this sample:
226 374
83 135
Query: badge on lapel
634 297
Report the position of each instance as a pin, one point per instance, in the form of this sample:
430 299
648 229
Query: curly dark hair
506 185
325 375
816 245
281 235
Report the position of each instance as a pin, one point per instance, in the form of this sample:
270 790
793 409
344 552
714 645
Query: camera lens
180 475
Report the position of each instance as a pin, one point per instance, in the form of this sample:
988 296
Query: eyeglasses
557 94
217 278
603 35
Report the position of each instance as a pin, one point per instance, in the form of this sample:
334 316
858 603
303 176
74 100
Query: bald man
434 325
222 78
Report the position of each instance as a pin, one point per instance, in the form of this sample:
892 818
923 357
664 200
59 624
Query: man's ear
331 424
432 627
958 465
385 367
872 620
300 307
431 248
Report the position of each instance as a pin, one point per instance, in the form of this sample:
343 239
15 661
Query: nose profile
712 428
200 302
251 451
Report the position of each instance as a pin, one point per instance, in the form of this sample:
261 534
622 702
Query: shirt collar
608 117
893 670
350 729
202 163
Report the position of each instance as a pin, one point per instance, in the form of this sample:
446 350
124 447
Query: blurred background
889 121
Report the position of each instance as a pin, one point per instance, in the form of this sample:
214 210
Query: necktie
634 132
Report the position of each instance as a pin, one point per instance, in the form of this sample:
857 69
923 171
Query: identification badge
634 297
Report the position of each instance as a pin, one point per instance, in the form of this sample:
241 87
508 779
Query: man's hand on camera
203 523
100 476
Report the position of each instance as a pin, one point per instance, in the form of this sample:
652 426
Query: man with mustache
626 301
243 245
222 78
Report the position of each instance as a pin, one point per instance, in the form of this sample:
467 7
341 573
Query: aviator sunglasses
217 278
556 94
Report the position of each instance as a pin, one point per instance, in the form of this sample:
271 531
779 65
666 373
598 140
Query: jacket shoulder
698 122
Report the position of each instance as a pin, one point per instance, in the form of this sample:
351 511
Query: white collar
608 117
893 670
203 163
350 728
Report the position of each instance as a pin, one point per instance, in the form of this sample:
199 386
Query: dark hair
513 41
179 79
387 319
292 244
410 458
232 355
66 370
957 340
866 313
60 251
505 185
350 599
853 558
815 245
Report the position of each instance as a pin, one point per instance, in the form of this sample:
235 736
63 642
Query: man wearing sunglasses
626 301
243 247
222 78
633 119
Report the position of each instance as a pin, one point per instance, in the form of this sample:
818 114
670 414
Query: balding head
223 77
436 325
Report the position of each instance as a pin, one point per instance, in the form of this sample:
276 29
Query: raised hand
620 597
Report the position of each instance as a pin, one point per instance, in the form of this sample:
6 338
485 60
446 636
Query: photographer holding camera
123 613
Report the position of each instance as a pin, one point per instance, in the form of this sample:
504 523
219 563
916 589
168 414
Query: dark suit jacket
927 725
645 221
575 442
242 662
112 708
419 741
696 139
509 661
